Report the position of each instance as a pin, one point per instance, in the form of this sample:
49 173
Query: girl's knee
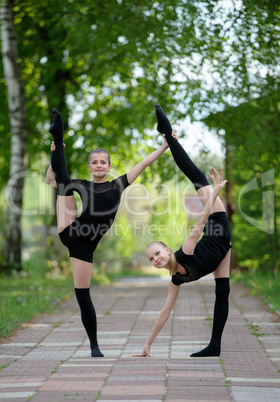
222 287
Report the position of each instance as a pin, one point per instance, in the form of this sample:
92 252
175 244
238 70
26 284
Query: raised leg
180 156
204 194
63 180
184 162
66 207
66 211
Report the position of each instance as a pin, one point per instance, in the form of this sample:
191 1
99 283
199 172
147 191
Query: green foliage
93 62
252 140
234 55
105 64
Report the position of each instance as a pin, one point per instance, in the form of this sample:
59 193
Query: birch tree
18 127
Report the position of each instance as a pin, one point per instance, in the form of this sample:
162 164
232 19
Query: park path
49 359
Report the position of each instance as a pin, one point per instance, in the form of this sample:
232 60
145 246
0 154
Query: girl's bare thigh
204 193
66 211
82 272
223 269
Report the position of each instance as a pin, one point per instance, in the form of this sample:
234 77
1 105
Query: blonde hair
173 262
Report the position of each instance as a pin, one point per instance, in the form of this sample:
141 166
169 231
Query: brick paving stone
49 359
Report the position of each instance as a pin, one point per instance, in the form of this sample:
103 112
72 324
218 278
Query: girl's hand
164 141
173 135
53 146
217 179
145 352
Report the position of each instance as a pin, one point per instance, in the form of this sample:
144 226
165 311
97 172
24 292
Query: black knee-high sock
180 156
63 180
89 321
219 319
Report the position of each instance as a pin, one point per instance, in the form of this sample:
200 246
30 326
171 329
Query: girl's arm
161 319
190 244
147 161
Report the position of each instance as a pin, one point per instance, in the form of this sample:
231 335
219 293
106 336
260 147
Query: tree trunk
18 123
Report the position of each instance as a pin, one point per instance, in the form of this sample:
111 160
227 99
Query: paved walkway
49 359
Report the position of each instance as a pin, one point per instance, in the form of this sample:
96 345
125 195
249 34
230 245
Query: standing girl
100 202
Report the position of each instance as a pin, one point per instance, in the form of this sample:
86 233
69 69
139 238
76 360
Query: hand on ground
145 352
141 355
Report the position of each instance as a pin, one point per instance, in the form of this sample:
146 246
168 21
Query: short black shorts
80 243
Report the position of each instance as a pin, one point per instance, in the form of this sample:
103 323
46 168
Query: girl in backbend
197 256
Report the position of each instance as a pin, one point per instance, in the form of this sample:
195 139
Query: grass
263 283
255 330
23 298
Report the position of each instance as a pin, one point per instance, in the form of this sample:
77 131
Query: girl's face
99 166
158 255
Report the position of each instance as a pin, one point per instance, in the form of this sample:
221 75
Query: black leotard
209 251
100 202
